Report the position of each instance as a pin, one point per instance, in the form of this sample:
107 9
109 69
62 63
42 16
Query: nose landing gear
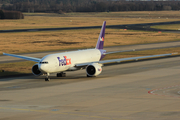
47 77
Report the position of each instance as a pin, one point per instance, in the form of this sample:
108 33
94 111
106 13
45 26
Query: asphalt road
7 59
131 91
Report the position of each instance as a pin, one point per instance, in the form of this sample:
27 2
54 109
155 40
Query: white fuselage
60 62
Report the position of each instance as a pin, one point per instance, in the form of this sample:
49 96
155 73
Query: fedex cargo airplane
89 59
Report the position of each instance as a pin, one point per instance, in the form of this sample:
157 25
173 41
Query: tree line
61 6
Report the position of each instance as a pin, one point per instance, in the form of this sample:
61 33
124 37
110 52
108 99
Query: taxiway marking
152 92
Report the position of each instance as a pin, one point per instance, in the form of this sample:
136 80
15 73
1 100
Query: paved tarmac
8 59
146 90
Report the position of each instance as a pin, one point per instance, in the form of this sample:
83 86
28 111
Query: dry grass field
75 39
51 20
31 22
124 14
26 42
143 53
16 68
168 27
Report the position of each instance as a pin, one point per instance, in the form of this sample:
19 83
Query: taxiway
130 91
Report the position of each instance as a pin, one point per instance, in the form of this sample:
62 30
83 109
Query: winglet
100 42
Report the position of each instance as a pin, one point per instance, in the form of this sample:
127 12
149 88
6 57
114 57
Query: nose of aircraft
43 68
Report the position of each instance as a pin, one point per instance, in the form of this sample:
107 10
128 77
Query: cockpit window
43 62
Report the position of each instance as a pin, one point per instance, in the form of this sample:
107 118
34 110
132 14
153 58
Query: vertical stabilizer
100 42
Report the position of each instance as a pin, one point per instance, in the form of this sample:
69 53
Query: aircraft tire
47 79
88 76
61 74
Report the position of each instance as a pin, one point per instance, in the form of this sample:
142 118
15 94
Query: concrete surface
146 90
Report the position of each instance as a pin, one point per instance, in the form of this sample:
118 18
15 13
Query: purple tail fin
100 42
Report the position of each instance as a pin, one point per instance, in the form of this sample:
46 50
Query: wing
125 59
24 57
119 51
134 58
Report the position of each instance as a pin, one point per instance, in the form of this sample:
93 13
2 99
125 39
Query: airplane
89 59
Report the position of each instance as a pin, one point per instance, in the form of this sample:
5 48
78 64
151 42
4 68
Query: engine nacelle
36 71
93 69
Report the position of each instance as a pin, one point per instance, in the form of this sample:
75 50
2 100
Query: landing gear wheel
47 79
88 76
61 74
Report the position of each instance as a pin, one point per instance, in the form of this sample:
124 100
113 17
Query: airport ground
131 91
127 91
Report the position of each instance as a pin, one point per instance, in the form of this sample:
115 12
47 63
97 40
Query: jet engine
36 71
93 69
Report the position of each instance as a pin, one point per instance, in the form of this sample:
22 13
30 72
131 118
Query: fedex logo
64 61
102 39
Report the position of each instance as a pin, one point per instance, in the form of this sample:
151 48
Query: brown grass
45 41
75 39
16 68
46 20
168 27
142 53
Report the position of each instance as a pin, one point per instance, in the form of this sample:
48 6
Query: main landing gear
61 74
58 75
